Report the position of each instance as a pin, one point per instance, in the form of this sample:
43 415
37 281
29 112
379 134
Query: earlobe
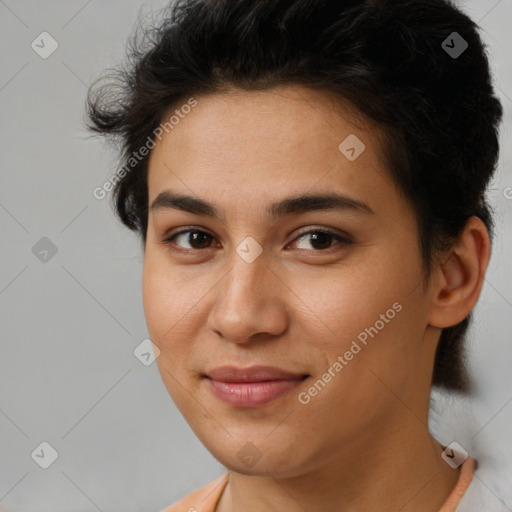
461 275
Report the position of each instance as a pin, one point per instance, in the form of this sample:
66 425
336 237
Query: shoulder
201 500
483 497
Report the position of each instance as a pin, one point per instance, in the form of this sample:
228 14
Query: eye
320 239
197 238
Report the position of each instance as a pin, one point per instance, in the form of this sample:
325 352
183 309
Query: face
327 289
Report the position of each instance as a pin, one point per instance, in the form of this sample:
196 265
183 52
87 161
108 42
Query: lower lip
251 394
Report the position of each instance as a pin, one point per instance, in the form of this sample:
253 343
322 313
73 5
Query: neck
392 469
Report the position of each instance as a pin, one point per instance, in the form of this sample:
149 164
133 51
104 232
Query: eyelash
343 240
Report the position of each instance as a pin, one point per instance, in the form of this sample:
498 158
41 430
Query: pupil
320 237
198 238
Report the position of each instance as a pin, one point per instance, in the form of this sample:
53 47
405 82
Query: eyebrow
291 205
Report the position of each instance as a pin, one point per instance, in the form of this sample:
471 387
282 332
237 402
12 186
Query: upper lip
252 374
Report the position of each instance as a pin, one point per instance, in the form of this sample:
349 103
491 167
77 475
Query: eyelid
341 235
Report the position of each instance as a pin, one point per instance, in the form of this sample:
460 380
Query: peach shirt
206 498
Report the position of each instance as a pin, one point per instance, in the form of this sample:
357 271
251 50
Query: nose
250 302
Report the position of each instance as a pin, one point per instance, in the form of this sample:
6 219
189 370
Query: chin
263 459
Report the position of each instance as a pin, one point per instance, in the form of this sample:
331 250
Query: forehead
244 145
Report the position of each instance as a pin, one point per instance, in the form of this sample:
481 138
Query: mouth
252 387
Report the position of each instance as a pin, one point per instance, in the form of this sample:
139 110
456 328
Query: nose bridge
246 302
249 265
247 279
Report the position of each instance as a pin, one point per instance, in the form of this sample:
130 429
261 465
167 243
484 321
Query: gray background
68 374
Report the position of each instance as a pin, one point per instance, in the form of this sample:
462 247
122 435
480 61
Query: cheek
163 304
154 300
162 310
342 302
171 310
375 316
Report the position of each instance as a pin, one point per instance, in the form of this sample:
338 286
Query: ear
460 275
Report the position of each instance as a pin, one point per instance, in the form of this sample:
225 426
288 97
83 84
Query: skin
362 443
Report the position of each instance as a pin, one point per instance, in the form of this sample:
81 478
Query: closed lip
235 374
